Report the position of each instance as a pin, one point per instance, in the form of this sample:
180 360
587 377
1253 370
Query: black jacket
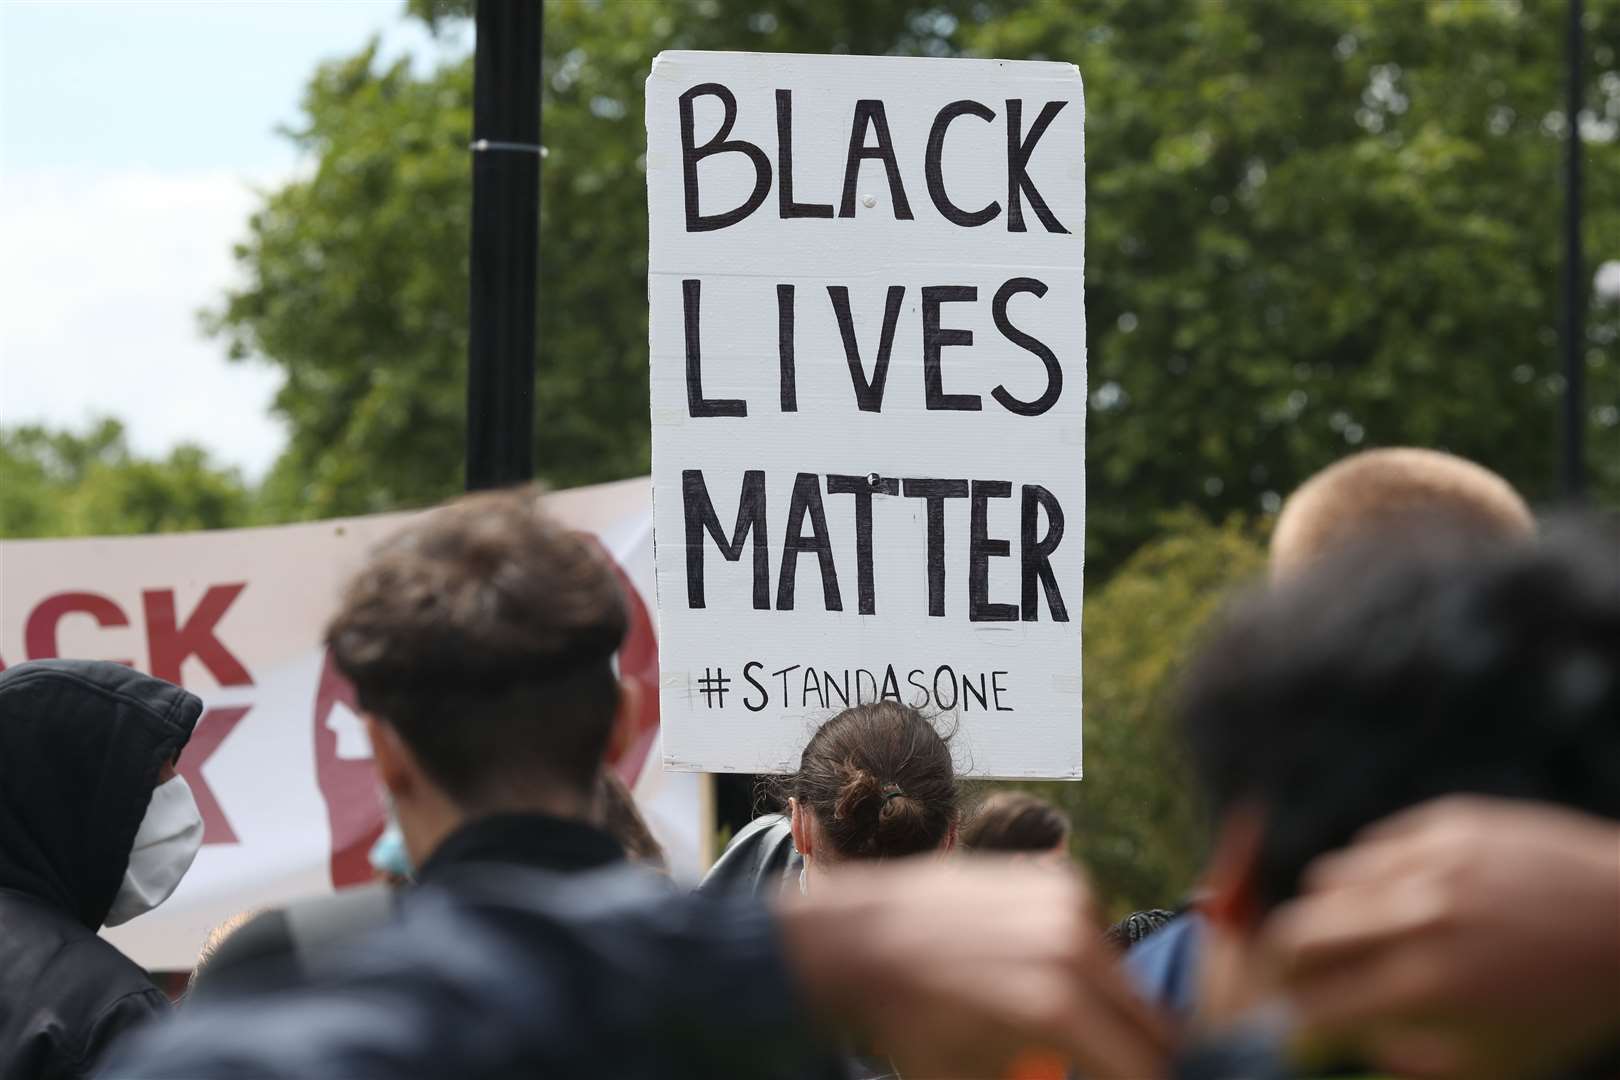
290 937
81 746
760 860
491 971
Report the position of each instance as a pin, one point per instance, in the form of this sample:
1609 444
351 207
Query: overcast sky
132 136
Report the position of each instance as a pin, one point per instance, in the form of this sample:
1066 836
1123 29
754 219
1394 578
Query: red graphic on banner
346 777
638 665
211 730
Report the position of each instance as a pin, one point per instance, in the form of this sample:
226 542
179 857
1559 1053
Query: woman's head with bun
874 782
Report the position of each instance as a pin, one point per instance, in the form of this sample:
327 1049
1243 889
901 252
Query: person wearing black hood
95 829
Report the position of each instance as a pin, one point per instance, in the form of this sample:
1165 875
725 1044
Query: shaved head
1385 490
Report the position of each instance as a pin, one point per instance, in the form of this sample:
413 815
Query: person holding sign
874 782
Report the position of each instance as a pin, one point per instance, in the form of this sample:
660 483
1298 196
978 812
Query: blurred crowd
1407 739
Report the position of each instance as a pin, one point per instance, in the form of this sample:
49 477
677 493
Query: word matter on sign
1037 542
867 330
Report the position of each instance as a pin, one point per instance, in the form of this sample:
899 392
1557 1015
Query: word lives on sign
868 401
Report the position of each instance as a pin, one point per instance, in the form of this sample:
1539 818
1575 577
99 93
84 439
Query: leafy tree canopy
1312 228
1319 227
58 483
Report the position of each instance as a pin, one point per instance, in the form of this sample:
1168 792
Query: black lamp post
505 243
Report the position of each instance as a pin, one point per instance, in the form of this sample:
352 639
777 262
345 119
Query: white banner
868 401
279 762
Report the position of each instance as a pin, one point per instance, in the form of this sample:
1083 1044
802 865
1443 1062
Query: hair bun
880 782
898 817
859 797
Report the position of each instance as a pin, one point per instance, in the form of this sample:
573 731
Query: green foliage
1313 227
1139 828
63 484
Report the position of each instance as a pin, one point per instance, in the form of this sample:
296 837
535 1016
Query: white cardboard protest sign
868 401
279 761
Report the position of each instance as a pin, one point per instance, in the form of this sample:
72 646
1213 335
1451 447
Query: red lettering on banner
39 636
171 645
210 732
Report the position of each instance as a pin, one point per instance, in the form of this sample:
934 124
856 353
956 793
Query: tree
57 483
1319 227
1313 228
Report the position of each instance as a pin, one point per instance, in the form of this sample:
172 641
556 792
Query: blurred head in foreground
1381 504
874 782
480 643
1019 823
1388 492
1317 710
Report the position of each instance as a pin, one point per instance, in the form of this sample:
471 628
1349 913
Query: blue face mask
388 854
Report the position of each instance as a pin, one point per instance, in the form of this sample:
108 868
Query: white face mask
167 841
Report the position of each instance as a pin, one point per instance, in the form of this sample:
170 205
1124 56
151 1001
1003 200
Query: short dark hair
1015 821
484 633
880 781
1448 668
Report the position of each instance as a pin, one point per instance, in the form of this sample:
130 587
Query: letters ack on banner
868 401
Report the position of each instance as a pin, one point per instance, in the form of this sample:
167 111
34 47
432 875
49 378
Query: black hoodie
81 746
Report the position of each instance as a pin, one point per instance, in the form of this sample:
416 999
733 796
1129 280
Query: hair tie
890 791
